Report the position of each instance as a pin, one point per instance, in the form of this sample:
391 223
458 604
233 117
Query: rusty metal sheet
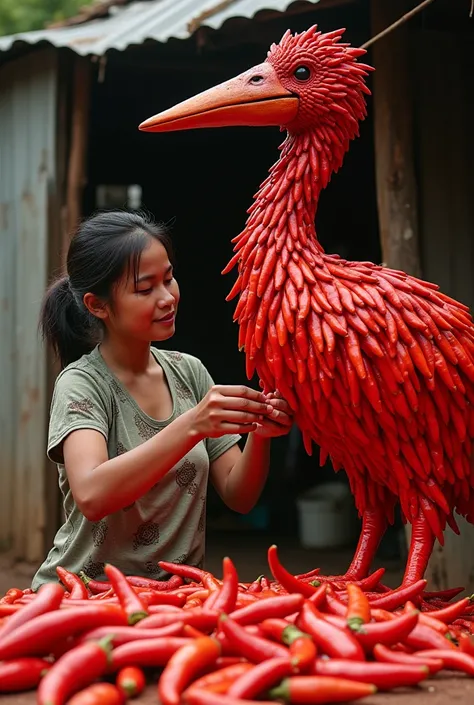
27 174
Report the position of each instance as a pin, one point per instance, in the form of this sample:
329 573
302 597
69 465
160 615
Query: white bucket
327 517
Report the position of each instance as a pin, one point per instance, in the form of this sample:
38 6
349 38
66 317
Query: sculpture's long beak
255 97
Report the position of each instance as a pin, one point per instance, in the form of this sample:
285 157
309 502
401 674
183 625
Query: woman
136 431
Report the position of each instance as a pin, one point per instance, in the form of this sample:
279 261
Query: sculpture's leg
374 525
421 546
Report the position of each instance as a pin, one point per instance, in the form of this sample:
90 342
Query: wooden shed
71 98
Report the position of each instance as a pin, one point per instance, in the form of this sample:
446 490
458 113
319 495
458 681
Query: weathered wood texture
393 126
445 155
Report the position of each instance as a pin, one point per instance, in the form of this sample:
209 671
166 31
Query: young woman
137 431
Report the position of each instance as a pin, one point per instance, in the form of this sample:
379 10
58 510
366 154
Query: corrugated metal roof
159 20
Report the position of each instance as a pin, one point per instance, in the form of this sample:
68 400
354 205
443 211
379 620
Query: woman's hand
279 422
232 409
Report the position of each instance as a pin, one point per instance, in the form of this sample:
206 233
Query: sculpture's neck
285 205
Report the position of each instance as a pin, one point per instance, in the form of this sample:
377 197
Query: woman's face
145 309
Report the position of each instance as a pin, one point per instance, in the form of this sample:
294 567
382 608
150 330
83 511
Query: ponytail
66 323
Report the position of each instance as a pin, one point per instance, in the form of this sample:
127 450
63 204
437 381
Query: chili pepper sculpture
377 365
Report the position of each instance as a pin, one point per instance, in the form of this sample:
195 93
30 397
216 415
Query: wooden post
78 147
397 198
393 111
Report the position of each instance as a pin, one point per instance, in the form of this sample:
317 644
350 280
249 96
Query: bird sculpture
377 365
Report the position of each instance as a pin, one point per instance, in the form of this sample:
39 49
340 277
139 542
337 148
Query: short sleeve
215 446
78 403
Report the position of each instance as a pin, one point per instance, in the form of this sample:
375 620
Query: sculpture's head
307 80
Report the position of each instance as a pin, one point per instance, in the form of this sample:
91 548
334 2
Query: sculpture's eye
302 73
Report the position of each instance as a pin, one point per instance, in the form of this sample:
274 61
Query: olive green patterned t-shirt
168 522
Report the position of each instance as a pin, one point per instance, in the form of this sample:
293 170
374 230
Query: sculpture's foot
371 583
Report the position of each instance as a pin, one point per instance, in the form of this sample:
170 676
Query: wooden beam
394 149
76 175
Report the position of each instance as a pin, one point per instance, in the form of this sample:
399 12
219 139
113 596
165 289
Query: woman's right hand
229 409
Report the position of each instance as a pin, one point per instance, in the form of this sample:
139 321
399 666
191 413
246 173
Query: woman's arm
101 486
239 477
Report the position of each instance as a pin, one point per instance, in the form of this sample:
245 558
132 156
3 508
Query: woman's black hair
104 248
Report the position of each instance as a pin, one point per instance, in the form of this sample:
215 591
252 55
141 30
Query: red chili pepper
244 599
265 583
199 595
466 643
369 583
226 597
286 579
224 661
192 632
77 589
452 612
210 582
310 574
95 586
160 585
130 601
358 607
7 609
11 596
272 607
454 659
75 669
275 628
152 598
220 677
98 694
256 586
146 652
387 633
423 637
183 666
194 696
205 621
319 597
39 635
303 652
330 639
184 571
302 648
320 689
131 681
435 624
123 635
261 678
398 597
383 675
448 594
334 604
22 674
193 603
382 615
254 648
385 655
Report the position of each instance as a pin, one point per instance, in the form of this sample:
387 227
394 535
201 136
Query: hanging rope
407 16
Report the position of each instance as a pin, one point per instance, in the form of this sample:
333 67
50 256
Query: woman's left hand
279 422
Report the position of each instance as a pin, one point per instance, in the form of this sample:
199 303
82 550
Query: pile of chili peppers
294 639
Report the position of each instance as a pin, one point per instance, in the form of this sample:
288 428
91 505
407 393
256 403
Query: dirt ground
249 554
441 691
